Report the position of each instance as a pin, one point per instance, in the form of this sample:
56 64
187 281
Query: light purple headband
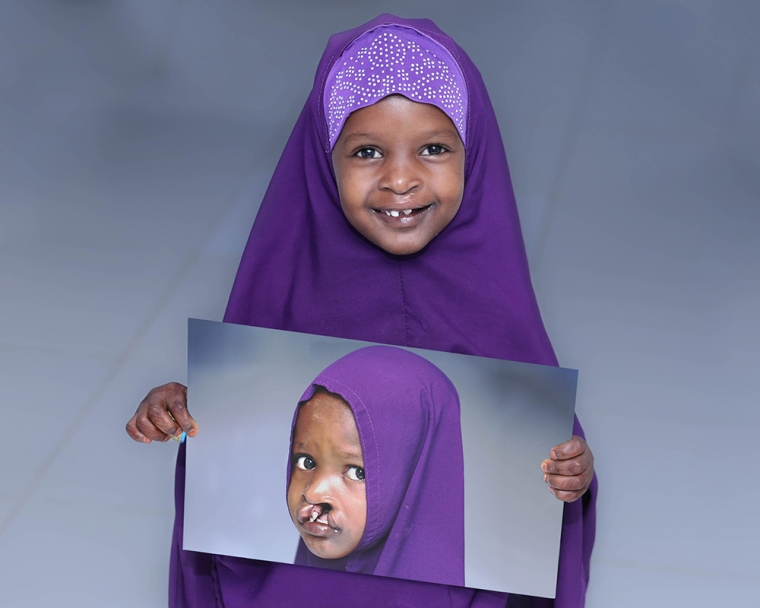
390 60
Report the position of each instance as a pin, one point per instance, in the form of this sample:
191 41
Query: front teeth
397 213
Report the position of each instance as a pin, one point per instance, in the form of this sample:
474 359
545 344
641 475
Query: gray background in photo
244 384
137 138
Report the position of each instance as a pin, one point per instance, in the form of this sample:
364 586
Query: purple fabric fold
469 291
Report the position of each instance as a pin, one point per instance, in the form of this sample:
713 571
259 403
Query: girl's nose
401 176
320 490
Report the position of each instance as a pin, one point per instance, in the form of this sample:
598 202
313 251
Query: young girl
376 472
390 218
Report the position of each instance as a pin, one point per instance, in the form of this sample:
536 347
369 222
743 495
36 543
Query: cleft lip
316 514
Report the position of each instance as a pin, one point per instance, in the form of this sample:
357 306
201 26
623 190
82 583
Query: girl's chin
401 245
326 553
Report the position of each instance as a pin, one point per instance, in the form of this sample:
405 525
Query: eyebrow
358 136
430 135
352 454
300 446
441 133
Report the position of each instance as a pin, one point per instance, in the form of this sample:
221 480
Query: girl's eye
433 150
306 463
355 473
368 153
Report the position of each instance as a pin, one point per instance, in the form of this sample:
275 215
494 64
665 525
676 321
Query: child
401 441
327 255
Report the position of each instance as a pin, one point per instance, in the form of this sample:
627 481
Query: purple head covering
392 60
407 413
306 269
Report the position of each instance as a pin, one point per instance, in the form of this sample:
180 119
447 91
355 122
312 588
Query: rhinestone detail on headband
394 60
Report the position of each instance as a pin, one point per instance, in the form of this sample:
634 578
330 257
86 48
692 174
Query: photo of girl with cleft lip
376 472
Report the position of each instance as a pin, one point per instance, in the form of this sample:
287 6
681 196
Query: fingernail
546 479
146 440
554 455
543 467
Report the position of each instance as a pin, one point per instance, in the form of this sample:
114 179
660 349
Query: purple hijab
469 291
407 413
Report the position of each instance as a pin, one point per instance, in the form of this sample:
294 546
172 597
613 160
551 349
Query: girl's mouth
402 215
316 520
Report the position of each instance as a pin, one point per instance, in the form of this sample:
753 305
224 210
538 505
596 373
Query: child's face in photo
326 495
399 165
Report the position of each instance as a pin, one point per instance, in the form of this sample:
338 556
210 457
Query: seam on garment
403 304
217 583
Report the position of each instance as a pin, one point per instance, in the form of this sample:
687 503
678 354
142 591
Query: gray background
243 387
136 139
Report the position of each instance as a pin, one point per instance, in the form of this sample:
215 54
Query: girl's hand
569 470
162 415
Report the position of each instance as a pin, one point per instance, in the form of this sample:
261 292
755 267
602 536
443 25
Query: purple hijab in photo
407 413
468 291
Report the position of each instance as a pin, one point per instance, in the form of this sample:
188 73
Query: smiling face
399 165
326 495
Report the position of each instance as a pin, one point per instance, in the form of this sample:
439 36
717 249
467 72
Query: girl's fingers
567 489
150 430
134 432
569 449
175 398
156 418
569 471
565 496
576 466
575 483
156 414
